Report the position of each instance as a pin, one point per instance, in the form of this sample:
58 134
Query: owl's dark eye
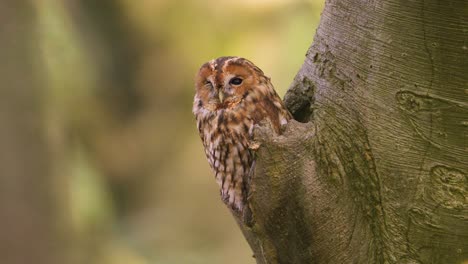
235 81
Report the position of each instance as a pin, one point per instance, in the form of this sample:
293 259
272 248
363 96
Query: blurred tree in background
30 217
101 160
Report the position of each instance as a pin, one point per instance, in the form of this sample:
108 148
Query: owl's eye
208 84
235 81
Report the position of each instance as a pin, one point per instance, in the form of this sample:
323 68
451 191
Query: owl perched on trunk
232 95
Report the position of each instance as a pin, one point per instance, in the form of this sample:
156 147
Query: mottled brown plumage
232 95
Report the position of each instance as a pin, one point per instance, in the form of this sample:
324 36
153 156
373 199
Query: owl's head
224 82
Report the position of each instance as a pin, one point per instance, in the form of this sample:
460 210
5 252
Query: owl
232 95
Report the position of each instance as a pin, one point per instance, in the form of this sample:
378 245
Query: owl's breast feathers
226 135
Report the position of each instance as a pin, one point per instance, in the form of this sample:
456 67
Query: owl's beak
221 96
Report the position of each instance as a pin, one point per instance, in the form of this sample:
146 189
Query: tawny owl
232 95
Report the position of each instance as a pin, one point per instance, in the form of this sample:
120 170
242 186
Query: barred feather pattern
226 112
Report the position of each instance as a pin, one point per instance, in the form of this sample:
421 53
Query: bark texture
377 170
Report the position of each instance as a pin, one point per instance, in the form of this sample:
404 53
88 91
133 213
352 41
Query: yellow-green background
132 178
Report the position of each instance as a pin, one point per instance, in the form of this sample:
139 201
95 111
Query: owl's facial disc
223 83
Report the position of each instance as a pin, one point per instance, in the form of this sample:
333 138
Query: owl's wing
202 135
274 112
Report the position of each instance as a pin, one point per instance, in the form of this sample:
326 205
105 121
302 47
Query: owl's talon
254 145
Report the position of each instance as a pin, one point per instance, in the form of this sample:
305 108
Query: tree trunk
29 216
377 170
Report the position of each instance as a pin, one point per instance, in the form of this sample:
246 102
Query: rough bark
377 170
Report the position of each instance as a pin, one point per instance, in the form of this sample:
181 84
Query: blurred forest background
101 160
